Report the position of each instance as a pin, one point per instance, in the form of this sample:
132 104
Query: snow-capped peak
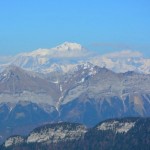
87 65
83 66
65 56
65 47
68 46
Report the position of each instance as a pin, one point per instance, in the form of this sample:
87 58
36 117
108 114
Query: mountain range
66 56
88 95
66 84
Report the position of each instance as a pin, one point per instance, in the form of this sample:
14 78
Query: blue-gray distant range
70 83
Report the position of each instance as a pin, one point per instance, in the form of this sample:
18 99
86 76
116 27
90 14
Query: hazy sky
102 25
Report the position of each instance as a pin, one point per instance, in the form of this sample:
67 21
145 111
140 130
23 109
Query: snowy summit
68 46
65 47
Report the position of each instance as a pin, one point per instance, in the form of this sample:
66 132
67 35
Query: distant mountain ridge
61 58
65 57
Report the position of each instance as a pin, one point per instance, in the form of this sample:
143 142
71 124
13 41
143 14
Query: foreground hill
114 134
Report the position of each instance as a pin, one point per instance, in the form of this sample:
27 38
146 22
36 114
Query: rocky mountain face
115 134
98 94
17 84
87 95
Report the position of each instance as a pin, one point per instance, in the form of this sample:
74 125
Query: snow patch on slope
116 126
56 135
13 141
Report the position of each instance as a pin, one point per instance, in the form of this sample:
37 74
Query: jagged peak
84 65
91 67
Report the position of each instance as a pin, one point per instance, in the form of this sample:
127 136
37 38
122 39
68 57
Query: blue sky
101 25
